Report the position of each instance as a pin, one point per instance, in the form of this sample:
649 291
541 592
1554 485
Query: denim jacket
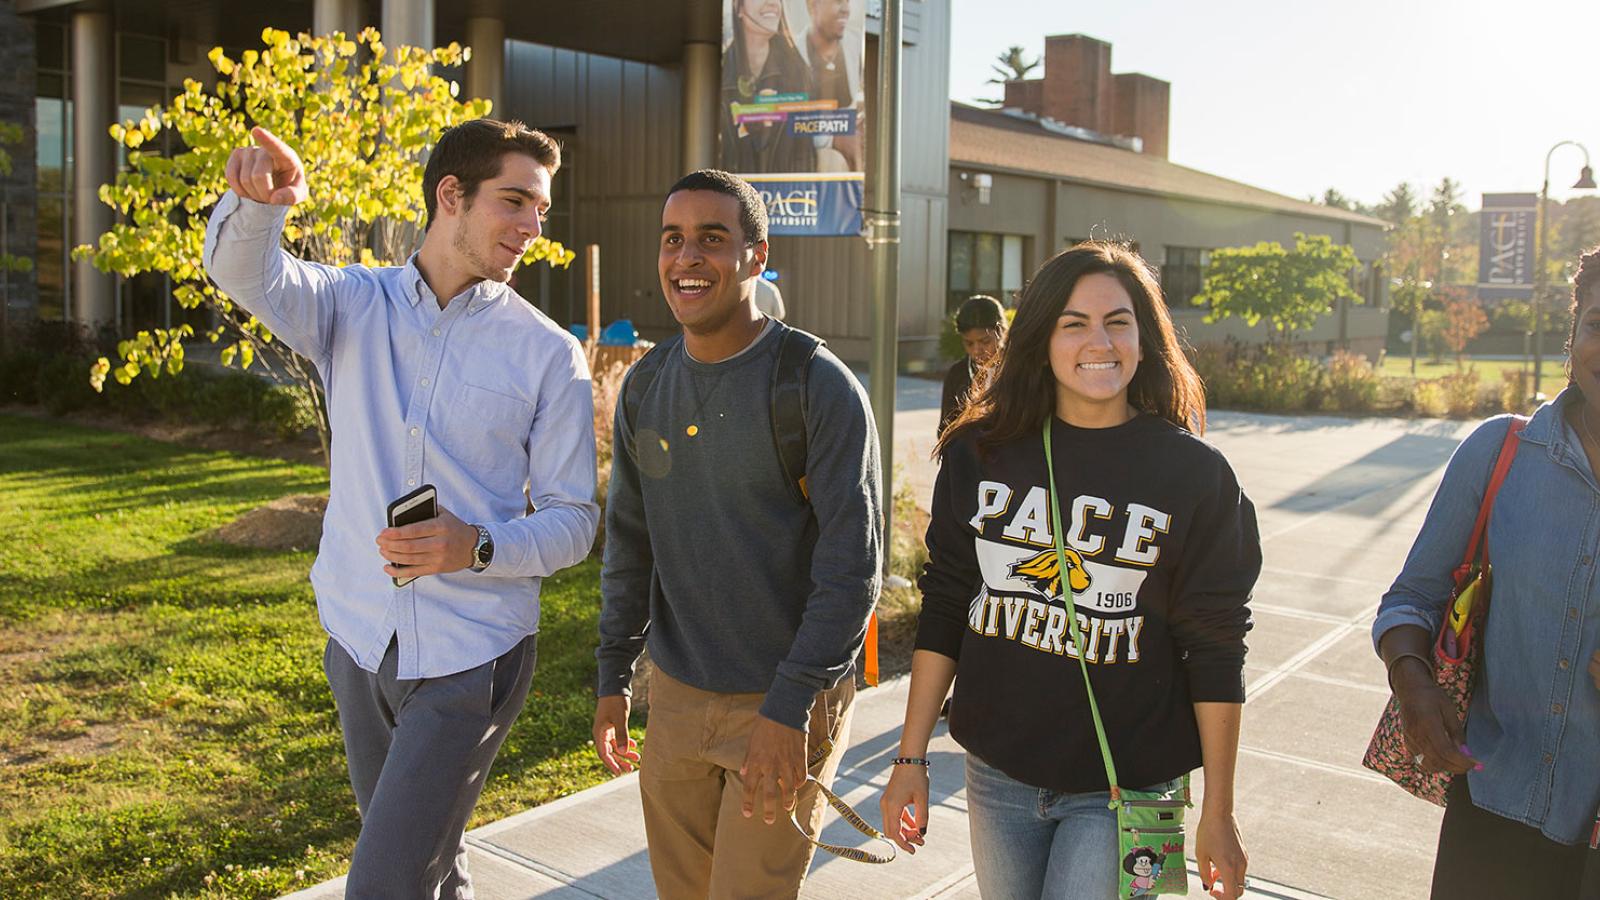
1534 722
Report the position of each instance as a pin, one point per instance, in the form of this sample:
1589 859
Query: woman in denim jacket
1518 824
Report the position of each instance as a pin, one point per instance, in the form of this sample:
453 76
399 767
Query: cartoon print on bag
1144 864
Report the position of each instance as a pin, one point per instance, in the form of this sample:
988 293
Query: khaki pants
701 845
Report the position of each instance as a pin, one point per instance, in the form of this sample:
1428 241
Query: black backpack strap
796 348
641 375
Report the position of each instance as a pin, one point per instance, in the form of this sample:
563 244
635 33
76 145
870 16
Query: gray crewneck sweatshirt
737 587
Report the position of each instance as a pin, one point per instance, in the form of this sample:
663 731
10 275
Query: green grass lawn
165 727
1399 366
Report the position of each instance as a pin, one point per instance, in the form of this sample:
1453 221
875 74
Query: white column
94 160
702 82
328 16
486 78
408 22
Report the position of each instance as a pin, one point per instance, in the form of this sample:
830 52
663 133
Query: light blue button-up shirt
1534 722
485 399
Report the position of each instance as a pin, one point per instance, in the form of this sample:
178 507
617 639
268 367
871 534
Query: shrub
607 389
1264 377
1352 383
1461 393
44 363
1516 386
289 409
18 376
1427 397
60 386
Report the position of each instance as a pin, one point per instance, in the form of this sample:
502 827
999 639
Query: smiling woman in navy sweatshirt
1169 552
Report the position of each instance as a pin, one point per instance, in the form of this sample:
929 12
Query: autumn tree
1290 288
1464 319
362 116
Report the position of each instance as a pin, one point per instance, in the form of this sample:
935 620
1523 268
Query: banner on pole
790 120
1505 246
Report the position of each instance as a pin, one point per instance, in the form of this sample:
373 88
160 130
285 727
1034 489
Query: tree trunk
1416 330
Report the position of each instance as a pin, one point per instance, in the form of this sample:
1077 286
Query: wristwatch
483 551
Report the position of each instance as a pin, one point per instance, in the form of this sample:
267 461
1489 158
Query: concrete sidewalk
1338 501
592 843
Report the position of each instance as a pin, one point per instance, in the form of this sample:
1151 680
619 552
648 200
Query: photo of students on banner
791 117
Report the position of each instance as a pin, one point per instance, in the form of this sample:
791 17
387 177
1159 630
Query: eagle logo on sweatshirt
1042 572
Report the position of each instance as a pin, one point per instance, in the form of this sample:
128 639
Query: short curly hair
752 212
1585 286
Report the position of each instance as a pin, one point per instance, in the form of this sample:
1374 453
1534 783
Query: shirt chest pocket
487 433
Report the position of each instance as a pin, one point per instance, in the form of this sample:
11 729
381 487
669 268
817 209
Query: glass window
52 144
1182 274
51 40
146 302
144 58
960 262
986 262
50 266
1011 264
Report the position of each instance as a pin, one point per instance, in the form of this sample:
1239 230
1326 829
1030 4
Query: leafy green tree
1574 230
1431 247
1398 205
362 116
1292 288
1333 197
11 133
1430 327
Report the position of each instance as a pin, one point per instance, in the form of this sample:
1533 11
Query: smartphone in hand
418 506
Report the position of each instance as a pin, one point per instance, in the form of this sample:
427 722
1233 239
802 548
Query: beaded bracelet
909 761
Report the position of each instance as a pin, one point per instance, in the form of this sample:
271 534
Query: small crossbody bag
1150 846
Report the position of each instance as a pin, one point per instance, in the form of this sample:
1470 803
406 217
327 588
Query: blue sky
1358 95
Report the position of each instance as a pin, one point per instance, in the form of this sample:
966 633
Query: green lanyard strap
1072 614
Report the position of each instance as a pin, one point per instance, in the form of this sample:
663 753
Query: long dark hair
1018 393
1584 284
768 147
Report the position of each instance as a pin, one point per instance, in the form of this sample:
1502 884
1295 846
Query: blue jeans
1032 842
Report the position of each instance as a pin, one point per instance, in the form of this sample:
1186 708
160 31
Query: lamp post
1585 182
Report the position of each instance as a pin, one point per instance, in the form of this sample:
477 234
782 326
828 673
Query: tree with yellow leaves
363 117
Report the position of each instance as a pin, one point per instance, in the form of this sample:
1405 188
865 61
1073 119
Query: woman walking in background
1520 813
1163 555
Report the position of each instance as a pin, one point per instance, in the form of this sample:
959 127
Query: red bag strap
1502 465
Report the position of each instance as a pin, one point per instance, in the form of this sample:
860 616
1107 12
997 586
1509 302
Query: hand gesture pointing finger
270 172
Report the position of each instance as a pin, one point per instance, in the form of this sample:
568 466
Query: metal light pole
881 228
1585 181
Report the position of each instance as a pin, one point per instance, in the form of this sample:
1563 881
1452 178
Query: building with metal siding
621 82
1081 153
621 123
630 89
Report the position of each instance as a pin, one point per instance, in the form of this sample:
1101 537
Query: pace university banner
1505 246
790 119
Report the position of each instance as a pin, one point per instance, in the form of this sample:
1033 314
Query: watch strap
483 550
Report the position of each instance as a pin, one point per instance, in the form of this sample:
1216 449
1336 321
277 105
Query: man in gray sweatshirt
753 602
